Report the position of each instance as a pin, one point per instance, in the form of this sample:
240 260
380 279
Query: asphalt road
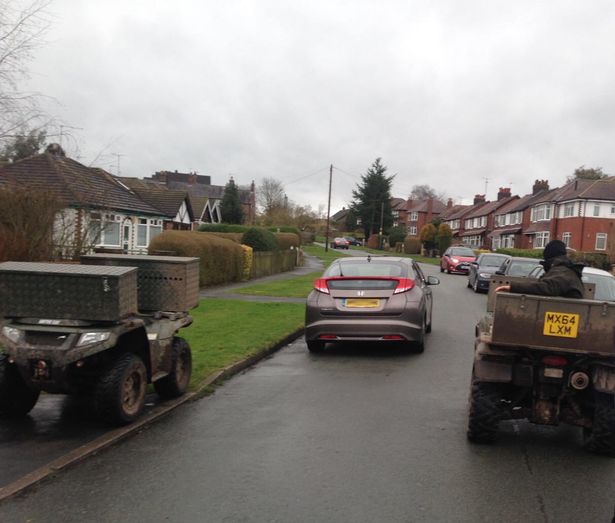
355 434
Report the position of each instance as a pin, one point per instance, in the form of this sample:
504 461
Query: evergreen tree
372 199
230 207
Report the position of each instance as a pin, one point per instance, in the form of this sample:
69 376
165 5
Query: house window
612 208
111 234
508 240
568 210
541 212
601 241
147 230
597 209
142 232
541 239
495 244
566 237
412 230
414 216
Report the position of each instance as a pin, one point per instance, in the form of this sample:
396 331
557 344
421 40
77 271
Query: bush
412 246
286 240
221 260
248 260
598 260
307 237
260 239
396 235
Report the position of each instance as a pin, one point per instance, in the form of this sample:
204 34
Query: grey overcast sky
446 92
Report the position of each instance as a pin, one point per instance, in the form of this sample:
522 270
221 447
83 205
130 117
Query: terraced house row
580 213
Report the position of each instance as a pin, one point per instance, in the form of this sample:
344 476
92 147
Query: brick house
455 216
480 221
512 219
421 212
583 214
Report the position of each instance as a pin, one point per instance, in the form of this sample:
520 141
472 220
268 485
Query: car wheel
600 439
448 269
315 346
475 286
468 284
418 346
483 412
16 398
176 382
120 394
441 268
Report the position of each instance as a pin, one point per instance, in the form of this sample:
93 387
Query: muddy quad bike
547 360
76 329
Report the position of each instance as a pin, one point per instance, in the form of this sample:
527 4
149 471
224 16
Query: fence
268 263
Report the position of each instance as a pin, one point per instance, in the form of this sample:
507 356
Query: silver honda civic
379 299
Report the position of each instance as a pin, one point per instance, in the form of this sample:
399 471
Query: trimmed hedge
307 237
526 253
598 260
233 236
286 240
260 240
221 260
222 227
412 246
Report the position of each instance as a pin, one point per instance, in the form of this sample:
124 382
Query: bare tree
270 195
425 192
22 26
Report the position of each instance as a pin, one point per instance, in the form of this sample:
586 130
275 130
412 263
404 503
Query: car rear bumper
361 330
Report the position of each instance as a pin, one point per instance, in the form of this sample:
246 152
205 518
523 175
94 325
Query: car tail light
327 337
321 285
404 285
395 337
555 361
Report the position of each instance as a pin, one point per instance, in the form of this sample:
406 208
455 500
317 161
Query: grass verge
227 331
326 256
416 257
298 287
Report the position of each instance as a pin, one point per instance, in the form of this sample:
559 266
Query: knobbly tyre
84 330
548 360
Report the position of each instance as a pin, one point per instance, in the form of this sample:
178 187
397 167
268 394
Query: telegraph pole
380 240
329 208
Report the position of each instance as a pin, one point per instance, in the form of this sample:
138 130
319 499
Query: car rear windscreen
347 285
373 269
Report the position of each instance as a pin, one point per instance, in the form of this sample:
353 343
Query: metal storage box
165 283
554 323
64 291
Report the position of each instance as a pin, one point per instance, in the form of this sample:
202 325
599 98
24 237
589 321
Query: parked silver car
383 299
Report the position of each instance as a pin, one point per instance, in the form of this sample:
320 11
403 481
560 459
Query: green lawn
326 256
298 287
416 257
227 331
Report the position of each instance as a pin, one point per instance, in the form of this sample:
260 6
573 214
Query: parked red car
340 243
457 259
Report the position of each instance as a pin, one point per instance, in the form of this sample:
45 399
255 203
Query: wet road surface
357 434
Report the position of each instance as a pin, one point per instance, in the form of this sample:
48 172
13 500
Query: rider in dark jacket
561 277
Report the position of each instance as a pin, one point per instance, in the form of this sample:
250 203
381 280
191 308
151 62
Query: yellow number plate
562 324
368 303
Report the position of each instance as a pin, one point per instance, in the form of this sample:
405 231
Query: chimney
540 185
449 204
479 198
55 149
503 193
429 209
